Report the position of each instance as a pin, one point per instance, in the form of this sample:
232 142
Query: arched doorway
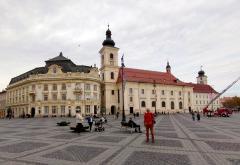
113 110
32 112
78 108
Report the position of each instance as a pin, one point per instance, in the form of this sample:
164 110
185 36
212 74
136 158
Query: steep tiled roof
202 88
147 76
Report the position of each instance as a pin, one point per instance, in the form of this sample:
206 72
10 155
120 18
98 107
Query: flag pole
122 69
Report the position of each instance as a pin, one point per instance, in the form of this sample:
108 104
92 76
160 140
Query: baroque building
62 87
57 89
159 91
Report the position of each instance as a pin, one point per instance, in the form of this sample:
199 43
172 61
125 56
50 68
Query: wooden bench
126 127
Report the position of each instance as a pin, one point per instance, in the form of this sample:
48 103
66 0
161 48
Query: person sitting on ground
132 124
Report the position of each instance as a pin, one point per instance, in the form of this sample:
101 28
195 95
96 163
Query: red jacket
148 118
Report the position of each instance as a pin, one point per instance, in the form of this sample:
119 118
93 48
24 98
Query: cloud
187 33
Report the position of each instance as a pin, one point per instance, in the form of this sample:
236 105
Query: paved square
178 140
76 153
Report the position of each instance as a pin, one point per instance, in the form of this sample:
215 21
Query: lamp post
123 111
155 93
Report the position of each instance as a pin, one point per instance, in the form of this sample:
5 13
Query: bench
126 127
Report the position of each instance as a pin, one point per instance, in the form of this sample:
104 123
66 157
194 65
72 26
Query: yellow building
57 89
2 104
159 91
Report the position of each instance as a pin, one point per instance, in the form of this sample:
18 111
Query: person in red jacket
149 122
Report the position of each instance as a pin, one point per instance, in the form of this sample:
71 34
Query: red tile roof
147 76
202 88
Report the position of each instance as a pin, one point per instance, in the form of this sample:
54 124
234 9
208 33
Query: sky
187 33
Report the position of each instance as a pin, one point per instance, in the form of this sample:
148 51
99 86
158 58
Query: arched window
112 75
180 105
153 103
111 56
163 104
78 108
143 104
172 105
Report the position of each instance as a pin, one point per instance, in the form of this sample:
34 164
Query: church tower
109 73
202 78
168 68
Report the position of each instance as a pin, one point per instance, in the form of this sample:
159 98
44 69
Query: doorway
131 110
32 112
113 111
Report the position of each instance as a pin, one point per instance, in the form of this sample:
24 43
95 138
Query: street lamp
123 111
154 85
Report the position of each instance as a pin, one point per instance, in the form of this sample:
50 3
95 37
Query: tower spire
168 68
108 41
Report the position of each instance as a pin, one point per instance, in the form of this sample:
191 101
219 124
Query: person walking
198 116
149 122
193 116
90 122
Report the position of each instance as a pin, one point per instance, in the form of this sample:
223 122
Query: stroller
99 126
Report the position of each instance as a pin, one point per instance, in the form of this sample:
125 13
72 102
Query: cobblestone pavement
179 140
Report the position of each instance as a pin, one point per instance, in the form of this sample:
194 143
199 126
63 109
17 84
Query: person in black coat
198 116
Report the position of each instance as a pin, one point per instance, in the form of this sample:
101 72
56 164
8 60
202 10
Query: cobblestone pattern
178 140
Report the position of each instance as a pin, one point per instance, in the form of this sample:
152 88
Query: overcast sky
188 33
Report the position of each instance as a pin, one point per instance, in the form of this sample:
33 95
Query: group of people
90 120
149 122
198 116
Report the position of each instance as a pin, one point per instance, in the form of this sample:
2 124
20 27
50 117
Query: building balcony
77 91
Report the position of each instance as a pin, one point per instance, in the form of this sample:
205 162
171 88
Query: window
143 104
153 103
112 92
102 76
95 96
162 92
142 91
54 109
172 93
153 91
87 109
172 105
33 87
77 86
180 93
95 87
87 87
180 105
54 87
111 56
196 102
130 90
45 97
112 75
54 97
64 97
46 110
62 109
163 104
131 99
45 88
63 86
